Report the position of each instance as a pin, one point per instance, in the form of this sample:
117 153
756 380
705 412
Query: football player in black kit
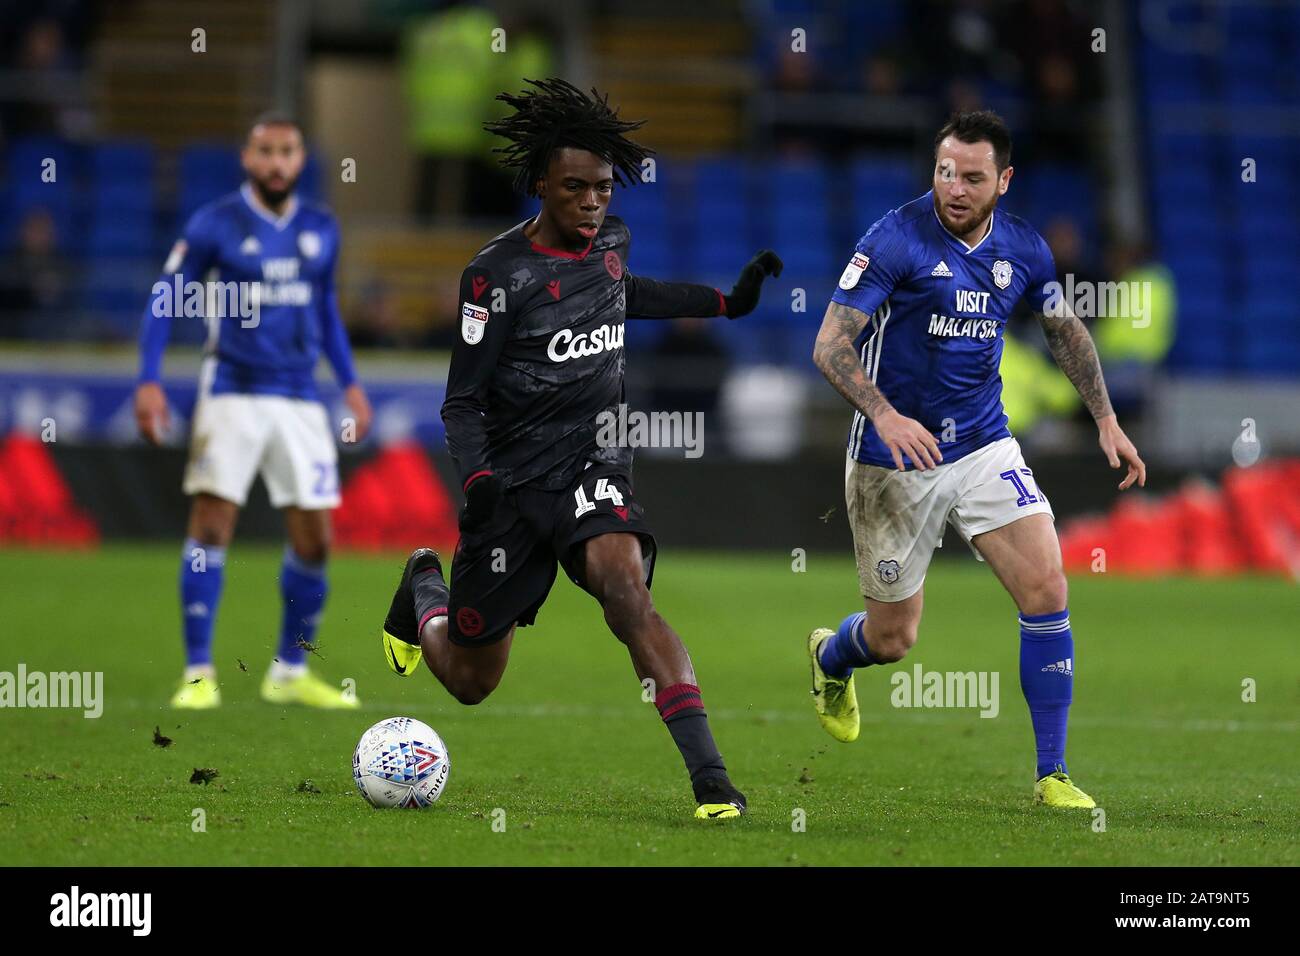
540 357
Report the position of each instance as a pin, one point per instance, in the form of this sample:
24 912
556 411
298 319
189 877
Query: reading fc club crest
309 244
888 571
1002 273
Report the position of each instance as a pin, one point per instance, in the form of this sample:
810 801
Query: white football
400 762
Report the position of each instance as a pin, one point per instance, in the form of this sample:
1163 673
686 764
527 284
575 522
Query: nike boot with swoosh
401 631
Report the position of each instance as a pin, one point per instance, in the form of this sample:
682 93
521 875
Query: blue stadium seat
120 160
207 171
720 230
121 236
645 209
879 185
1171 77
798 194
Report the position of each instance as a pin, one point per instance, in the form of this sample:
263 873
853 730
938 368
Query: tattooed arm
1076 356
1074 352
838 359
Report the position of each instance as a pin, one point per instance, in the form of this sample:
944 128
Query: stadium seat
878 185
798 195
644 207
721 228
121 162
207 171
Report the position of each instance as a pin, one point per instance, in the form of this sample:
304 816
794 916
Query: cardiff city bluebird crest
888 571
1002 273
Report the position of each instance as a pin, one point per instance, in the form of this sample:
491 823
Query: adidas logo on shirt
942 270
1065 667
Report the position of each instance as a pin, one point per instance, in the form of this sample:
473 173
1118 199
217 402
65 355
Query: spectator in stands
1053 44
42 42
452 67
33 281
376 323
1134 341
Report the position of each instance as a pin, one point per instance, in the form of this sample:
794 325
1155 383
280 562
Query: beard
274 197
979 215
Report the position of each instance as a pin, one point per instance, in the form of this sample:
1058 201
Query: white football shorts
898 517
287 440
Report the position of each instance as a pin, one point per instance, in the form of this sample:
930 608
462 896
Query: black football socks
682 710
429 592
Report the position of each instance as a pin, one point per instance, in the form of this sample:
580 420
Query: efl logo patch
853 271
473 322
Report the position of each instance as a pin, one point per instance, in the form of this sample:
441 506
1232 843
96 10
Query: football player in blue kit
913 339
264 261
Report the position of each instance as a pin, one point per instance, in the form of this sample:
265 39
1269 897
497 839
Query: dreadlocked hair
557 114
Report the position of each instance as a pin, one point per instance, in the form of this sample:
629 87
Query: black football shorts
502 571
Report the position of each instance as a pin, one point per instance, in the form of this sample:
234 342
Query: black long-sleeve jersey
540 353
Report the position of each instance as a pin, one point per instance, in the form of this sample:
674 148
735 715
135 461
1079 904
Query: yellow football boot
835 700
1058 790
309 690
197 693
400 634
718 799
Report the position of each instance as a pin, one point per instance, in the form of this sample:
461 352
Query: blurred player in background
258 409
912 338
539 361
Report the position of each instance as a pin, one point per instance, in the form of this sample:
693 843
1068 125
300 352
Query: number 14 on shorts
604 491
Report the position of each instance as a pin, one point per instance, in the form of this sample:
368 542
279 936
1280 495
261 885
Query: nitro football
400 762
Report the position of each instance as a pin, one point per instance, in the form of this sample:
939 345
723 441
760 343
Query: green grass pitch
1186 772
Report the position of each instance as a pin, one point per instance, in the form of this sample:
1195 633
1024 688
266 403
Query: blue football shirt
937 308
289 261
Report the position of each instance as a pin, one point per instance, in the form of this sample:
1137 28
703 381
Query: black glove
744 294
483 495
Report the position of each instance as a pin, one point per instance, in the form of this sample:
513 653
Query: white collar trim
969 249
291 208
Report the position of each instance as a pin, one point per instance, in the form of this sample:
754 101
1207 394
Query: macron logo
942 270
197 609
1065 667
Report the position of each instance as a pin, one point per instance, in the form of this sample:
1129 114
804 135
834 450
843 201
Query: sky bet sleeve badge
473 322
853 271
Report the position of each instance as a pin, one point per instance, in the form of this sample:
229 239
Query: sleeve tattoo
836 357
1075 354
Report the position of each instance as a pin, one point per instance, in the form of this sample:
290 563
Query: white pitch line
952 715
